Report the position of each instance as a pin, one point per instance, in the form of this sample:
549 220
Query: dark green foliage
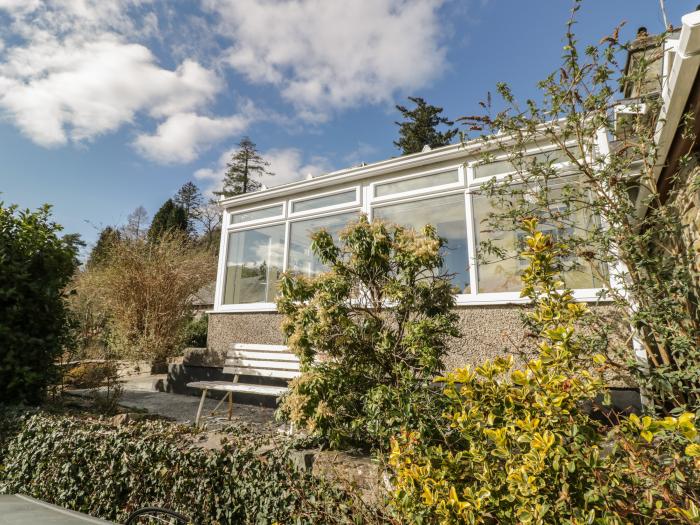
195 332
35 266
106 471
371 333
419 128
100 252
190 198
170 217
245 165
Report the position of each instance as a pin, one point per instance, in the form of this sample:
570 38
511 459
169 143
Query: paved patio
23 510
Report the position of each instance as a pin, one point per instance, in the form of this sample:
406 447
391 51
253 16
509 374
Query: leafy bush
106 471
195 332
90 375
371 333
518 445
35 266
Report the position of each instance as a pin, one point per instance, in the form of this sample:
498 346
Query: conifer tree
100 252
190 198
419 128
170 217
245 166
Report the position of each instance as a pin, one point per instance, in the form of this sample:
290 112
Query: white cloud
324 55
287 164
183 136
74 72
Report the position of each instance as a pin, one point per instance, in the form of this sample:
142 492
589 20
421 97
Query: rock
356 472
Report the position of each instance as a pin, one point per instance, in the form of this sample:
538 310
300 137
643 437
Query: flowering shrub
370 333
518 445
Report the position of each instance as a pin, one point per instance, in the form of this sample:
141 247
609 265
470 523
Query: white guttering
675 92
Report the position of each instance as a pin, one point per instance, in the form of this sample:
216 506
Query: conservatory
268 232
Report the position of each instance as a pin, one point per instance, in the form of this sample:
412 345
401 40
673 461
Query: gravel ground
183 409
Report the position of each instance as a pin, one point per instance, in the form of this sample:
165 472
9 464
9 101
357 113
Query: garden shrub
518 445
35 266
107 471
195 332
90 374
370 333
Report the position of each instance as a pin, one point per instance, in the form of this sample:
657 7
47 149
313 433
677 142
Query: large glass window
502 274
416 183
253 265
301 257
448 216
345 197
256 215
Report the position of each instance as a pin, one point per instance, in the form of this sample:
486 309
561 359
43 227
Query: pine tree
244 166
190 198
100 252
419 128
170 217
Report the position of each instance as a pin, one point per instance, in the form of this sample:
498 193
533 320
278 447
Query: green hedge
106 471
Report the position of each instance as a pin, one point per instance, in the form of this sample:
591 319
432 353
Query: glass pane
504 275
327 200
301 258
501 167
426 181
255 215
447 215
253 265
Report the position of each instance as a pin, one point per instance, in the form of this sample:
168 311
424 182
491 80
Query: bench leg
199 410
230 405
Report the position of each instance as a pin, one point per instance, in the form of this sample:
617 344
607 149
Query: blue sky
106 105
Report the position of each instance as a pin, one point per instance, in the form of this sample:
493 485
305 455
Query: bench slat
254 363
272 356
261 372
263 348
227 386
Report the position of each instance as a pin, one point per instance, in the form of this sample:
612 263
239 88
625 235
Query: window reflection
301 258
503 274
448 216
253 265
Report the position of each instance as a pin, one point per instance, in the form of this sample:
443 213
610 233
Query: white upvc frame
230 224
364 202
219 305
459 168
333 207
473 180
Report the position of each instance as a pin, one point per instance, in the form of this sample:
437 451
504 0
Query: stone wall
688 200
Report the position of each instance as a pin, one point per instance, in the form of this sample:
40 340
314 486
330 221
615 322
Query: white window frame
317 211
365 201
230 224
459 168
461 298
219 305
473 180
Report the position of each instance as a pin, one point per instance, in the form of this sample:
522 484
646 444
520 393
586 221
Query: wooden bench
251 360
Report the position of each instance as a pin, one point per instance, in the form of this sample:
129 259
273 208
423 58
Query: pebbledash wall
487 331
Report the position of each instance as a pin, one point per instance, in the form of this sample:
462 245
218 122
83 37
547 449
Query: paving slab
23 510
